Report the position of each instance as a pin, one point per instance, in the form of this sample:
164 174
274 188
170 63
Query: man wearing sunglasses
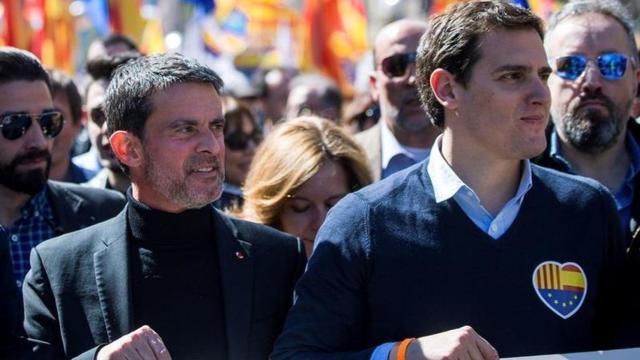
404 134
33 209
593 54
475 246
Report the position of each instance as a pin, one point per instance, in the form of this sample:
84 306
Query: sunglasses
396 65
240 141
612 66
14 125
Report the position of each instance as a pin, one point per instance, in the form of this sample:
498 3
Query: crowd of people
482 199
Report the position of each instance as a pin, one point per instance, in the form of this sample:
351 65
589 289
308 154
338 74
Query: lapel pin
239 255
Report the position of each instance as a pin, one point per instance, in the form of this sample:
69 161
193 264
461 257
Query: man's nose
208 142
591 78
35 137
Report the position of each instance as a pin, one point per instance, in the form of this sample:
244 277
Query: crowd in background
294 147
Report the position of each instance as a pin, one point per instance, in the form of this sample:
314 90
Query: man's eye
186 129
545 75
512 76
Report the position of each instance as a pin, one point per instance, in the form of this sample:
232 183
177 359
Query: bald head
400 31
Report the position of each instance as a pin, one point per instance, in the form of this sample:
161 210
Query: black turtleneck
176 280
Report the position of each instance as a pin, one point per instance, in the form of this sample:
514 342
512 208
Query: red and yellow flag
334 33
15 28
58 38
126 19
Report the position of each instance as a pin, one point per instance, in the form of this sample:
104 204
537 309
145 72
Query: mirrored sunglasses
612 66
396 65
14 125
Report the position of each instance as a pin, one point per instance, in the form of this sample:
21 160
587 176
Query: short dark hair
452 43
128 99
102 67
17 64
62 83
115 39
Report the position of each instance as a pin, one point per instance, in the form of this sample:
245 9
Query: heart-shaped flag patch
561 287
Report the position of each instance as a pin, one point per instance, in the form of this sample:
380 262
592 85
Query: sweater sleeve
328 318
615 291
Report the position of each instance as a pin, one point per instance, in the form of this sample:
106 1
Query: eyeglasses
14 125
240 141
369 116
396 65
612 66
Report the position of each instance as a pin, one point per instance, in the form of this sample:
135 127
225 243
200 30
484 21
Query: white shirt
446 185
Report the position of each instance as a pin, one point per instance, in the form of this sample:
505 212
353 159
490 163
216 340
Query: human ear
443 86
127 148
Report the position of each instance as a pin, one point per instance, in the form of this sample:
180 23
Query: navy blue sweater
391 264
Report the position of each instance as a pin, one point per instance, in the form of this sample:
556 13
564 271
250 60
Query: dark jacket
634 223
74 207
77 301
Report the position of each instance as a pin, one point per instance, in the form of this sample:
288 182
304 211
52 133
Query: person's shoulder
566 186
88 194
83 240
409 182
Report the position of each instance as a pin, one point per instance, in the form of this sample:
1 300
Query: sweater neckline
151 227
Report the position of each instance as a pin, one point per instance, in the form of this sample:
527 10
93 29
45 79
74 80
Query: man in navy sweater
475 240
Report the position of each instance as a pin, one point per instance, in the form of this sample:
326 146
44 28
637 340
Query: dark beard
590 130
29 182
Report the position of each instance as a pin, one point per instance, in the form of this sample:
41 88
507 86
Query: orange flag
335 36
59 38
15 28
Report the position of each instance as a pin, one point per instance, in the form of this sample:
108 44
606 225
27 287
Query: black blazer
77 295
74 207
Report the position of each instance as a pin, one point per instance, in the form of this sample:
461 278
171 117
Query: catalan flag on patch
561 287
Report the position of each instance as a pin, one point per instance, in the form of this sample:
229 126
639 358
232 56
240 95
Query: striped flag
561 287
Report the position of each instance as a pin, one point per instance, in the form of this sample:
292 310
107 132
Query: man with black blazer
170 276
33 209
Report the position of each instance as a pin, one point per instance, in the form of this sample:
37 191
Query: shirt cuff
382 352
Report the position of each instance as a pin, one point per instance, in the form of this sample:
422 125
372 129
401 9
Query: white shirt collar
390 146
446 183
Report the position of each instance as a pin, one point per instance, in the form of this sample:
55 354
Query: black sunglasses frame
14 125
240 141
395 66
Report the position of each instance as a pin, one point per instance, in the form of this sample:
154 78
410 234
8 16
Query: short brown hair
452 43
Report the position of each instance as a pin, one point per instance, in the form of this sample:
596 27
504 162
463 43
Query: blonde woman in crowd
302 168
